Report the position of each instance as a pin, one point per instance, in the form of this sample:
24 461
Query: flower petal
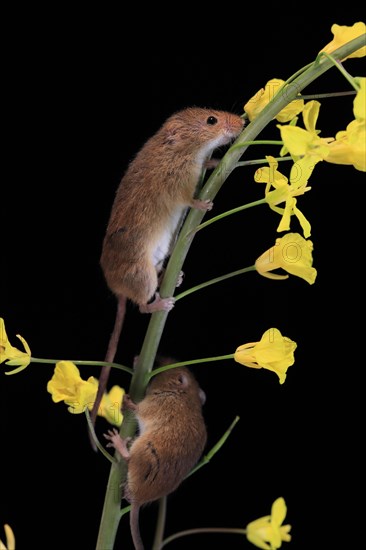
68 386
10 539
111 406
343 34
279 511
274 352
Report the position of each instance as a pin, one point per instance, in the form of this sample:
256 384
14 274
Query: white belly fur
161 247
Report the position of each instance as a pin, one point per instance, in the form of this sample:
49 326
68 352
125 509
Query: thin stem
125 510
256 142
214 281
321 96
340 67
261 161
160 526
96 440
201 530
229 212
190 362
298 73
206 459
82 362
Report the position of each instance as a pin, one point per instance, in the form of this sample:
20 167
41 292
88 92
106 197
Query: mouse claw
168 303
180 278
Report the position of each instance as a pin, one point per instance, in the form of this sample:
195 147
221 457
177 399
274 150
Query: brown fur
159 184
171 440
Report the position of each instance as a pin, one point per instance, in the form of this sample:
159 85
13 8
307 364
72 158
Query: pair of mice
157 188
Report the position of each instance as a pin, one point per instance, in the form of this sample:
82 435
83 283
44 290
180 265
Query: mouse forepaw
116 441
127 403
212 163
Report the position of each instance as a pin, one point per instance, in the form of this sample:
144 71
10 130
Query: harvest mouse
157 188
172 436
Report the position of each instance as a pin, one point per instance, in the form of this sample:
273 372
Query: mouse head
177 380
196 127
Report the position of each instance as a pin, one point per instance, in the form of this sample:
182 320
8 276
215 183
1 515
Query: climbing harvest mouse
171 439
154 193
159 184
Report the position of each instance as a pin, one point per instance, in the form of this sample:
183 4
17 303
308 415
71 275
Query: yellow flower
283 192
268 532
343 34
305 142
10 539
293 254
274 352
111 405
67 385
359 104
257 103
349 146
9 354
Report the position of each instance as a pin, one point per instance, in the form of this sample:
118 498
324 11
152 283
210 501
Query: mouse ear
170 133
183 379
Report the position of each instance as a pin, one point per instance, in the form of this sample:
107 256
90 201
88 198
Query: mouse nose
202 396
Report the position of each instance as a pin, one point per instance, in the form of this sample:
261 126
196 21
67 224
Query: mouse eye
212 120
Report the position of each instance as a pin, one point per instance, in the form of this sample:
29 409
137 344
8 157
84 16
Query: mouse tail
135 526
109 358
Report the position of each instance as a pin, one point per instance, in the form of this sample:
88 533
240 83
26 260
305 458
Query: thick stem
112 508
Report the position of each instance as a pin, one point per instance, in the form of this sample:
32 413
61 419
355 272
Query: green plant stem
322 96
214 281
340 67
207 457
256 142
190 362
261 161
230 212
125 510
259 142
96 440
111 511
160 526
84 363
201 530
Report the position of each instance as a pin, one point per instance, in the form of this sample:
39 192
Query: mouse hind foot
158 304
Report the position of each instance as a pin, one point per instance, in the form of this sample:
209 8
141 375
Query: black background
83 91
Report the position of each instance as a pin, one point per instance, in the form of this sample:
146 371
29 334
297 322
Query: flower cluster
67 385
